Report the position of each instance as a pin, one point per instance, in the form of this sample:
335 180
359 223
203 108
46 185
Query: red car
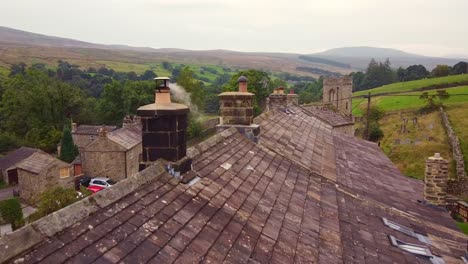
95 188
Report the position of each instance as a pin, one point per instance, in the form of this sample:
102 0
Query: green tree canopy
69 150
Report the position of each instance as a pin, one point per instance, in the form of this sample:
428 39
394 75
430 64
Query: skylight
419 250
406 230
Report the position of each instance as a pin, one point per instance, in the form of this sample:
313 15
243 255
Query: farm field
412 101
452 80
408 151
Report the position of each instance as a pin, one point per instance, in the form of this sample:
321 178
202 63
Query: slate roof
16 156
126 137
304 194
329 116
37 162
92 130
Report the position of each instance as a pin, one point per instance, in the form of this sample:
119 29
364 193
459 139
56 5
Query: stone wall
435 180
209 125
104 158
338 92
32 185
455 144
133 159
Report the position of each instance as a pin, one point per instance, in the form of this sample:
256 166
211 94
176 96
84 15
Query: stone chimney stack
164 129
435 180
292 98
102 132
236 108
278 99
130 121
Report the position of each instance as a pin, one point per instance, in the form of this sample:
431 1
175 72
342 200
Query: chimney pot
242 84
162 91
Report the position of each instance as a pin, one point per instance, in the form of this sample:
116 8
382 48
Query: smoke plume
179 94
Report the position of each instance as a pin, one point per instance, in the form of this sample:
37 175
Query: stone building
40 172
338 121
84 134
113 154
8 164
338 92
302 193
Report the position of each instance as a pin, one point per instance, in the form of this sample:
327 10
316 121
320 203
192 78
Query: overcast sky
427 27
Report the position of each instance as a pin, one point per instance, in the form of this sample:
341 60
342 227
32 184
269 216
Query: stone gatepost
436 177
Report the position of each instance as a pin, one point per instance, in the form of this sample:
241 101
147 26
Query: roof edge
25 238
323 119
198 149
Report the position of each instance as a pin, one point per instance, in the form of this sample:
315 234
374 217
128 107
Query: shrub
11 212
194 129
54 200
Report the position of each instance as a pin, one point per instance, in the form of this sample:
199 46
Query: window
419 250
64 172
406 230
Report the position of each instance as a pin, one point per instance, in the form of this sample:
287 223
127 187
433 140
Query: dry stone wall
455 144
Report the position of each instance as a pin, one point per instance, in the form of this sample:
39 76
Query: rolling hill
21 46
359 57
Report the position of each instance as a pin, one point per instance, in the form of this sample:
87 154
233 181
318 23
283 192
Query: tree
440 71
148 75
459 68
187 80
11 212
69 150
432 105
16 69
35 107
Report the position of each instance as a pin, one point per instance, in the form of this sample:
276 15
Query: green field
421 142
463 227
411 101
418 84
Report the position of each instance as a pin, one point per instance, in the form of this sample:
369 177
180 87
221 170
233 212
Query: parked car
95 188
85 181
102 182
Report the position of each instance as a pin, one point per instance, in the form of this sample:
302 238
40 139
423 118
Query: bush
375 133
194 129
11 212
54 200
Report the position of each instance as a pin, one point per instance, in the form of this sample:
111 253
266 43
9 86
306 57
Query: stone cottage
40 172
84 134
8 164
113 154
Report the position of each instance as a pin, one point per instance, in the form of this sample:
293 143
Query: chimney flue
164 129
162 91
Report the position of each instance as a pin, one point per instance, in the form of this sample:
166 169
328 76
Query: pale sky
427 27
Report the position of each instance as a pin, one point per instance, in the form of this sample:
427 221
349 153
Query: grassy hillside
411 101
453 80
421 142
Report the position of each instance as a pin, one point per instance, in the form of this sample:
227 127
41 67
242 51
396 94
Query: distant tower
338 92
